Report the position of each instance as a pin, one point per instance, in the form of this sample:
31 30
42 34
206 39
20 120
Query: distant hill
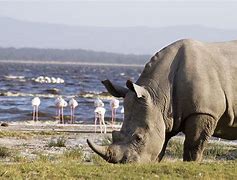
127 40
71 55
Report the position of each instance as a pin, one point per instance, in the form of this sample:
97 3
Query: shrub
74 154
175 149
106 141
60 142
4 152
220 151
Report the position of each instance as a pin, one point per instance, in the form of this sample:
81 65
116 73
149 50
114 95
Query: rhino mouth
112 154
100 150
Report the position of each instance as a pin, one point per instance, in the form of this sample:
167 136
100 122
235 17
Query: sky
114 13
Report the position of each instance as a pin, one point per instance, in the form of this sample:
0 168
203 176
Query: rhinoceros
188 86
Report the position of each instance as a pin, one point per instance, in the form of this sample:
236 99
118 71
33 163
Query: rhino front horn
100 150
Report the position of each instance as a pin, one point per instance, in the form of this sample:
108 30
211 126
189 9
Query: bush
175 149
106 141
75 154
60 142
220 151
4 152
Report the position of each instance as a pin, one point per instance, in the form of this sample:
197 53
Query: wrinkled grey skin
188 87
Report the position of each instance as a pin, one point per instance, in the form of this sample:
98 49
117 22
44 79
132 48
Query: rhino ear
115 90
139 90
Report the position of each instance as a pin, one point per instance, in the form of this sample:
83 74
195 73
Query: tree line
74 55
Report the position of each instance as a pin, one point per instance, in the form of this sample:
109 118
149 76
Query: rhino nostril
124 160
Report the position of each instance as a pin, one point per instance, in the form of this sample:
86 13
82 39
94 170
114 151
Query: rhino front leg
168 136
162 153
198 128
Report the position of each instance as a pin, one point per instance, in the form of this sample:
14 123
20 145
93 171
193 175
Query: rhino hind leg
198 129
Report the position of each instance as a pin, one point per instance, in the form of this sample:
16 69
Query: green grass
106 141
213 151
73 164
75 170
60 142
26 135
74 154
4 152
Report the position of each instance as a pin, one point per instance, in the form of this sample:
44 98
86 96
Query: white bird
122 111
98 103
114 103
60 103
99 115
73 104
35 103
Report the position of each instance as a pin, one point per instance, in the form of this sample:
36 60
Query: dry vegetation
74 162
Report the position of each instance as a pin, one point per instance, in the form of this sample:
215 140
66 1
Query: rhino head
142 135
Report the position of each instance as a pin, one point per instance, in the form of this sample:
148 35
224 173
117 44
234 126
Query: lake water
18 87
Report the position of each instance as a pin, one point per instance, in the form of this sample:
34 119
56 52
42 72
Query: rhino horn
139 90
100 150
115 90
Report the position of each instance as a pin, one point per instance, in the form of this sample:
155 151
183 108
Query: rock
4 124
53 91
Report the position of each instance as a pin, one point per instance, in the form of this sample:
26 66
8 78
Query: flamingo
122 111
56 102
98 103
35 103
73 104
99 115
114 103
60 104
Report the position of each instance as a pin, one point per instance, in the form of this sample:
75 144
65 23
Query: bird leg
37 113
113 112
100 120
71 115
95 121
62 116
57 112
114 115
33 113
103 121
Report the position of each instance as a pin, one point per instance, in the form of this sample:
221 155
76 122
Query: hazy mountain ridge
70 55
129 40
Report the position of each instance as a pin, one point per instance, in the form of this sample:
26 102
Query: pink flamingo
99 115
114 103
73 104
98 103
60 104
35 103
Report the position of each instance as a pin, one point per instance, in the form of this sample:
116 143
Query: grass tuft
219 151
60 142
106 141
175 149
4 152
74 154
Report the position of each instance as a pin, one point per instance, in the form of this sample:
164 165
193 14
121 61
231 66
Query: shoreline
83 128
69 63
56 127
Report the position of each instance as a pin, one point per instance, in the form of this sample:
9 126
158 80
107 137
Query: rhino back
195 77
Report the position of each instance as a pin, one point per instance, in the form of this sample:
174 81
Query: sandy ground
30 146
75 136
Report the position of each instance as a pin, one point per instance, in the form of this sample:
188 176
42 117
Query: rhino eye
138 137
